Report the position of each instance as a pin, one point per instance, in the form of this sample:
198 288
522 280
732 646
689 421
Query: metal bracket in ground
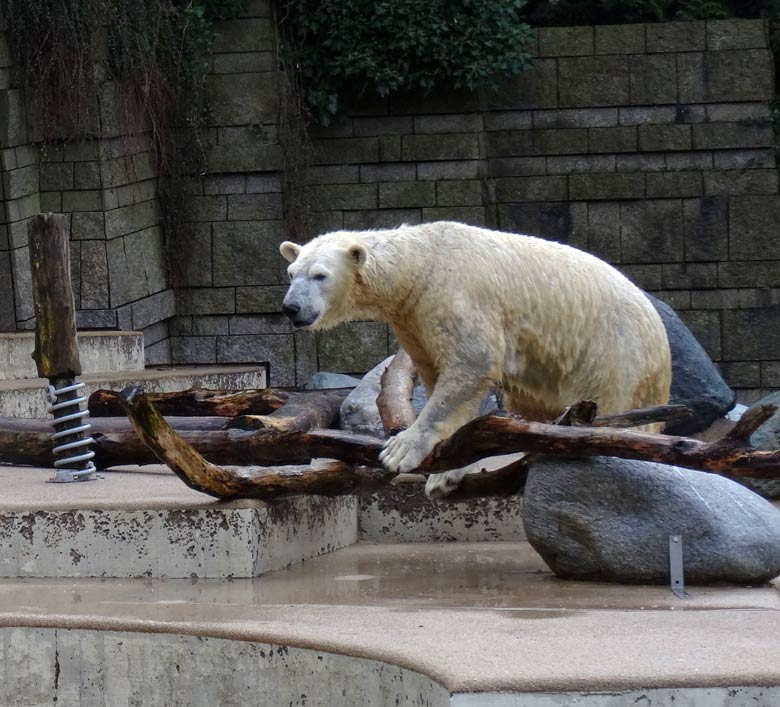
676 567
72 418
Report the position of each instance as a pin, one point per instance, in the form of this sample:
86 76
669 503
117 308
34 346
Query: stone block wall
107 186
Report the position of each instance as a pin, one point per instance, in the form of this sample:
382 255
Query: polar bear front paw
404 452
442 485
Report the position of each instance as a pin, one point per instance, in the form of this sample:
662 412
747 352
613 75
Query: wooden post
56 351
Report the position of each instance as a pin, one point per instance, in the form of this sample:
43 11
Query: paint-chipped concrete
111 668
400 512
99 352
148 524
27 398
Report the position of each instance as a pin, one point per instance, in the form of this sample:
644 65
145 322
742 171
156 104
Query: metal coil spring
78 416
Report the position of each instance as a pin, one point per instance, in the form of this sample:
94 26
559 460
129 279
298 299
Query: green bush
358 47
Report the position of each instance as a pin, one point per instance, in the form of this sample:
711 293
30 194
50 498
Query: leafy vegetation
358 47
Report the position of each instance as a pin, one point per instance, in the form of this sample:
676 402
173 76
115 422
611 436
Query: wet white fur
548 323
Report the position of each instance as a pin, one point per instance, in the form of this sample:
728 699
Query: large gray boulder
359 412
767 437
696 382
610 520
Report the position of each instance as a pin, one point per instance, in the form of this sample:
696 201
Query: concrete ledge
401 512
148 524
26 398
99 351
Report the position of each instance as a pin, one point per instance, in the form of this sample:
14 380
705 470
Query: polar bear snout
301 317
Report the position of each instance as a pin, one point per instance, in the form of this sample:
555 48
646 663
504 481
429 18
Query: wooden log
56 351
197 401
303 411
395 395
243 482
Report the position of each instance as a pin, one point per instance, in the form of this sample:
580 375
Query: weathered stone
583 187
593 81
386 173
744 159
151 310
651 231
22 283
741 374
380 218
753 232
194 349
207 300
579 164
384 125
513 189
673 184
345 196
239 99
675 37
751 334
640 163
7 313
205 208
511 120
20 182
705 228
224 184
647 115
397 195
680 161
715 299
661 138
263 183
620 39
275 349
323 380
247 253
604 230
210 325
94 275
260 299
756 273
458 123
725 76
689 275
439 147
252 157
130 218
565 41
352 348
560 142
579 118
535 88
706 327
51 201
390 148
653 79
353 150
610 520
467 192
244 35
85 200
251 207
736 34
244 62
259 324
754 182
552 221
87 175
620 139
516 166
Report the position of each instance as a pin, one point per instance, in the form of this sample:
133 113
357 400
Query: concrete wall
107 186
648 145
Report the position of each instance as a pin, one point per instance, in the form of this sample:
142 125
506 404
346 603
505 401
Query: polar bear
548 324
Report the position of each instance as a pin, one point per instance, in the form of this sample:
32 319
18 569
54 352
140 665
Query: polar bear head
322 276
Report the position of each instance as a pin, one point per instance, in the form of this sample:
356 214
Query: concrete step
100 351
26 398
144 522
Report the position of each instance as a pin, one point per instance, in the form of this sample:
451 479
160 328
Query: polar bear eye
319 277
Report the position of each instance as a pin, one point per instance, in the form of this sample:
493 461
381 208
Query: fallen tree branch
331 479
395 395
196 401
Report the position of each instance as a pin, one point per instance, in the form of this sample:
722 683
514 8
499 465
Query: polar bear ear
358 254
289 251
